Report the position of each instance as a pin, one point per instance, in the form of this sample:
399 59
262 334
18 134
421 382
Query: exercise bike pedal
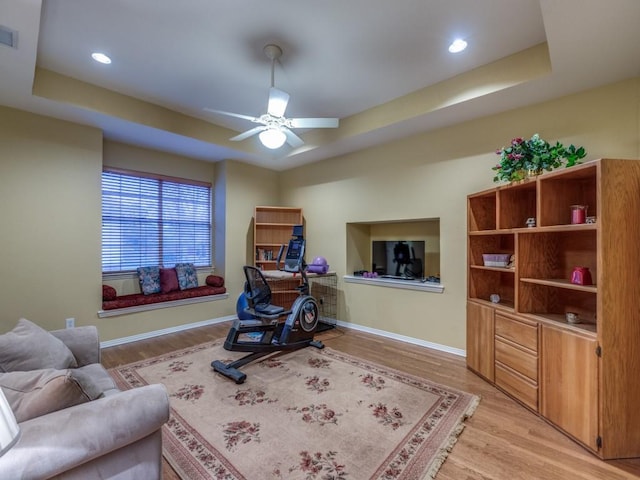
317 343
229 372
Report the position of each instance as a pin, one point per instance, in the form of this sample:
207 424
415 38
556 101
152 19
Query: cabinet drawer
518 332
517 385
519 360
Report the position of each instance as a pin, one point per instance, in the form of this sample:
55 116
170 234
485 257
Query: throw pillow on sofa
187 275
38 392
30 347
168 280
149 278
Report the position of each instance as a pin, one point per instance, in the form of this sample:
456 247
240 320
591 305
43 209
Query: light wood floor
502 440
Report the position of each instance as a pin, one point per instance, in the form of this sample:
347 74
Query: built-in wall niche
367 240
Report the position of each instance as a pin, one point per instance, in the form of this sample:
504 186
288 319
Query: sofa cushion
29 347
94 380
214 281
108 293
187 275
38 392
168 280
149 278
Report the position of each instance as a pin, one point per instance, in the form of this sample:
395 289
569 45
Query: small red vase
581 276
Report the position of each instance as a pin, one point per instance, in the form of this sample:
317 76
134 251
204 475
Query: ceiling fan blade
278 101
230 114
292 139
248 133
314 122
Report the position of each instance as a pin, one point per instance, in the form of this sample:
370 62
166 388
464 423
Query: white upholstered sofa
74 422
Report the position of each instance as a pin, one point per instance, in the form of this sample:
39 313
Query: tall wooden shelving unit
584 378
272 227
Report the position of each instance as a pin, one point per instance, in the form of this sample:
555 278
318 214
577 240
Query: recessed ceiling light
458 45
101 57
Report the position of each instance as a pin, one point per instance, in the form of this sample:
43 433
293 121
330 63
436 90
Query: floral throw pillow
149 279
187 277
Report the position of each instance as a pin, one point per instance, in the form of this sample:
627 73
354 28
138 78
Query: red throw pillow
168 280
214 281
108 293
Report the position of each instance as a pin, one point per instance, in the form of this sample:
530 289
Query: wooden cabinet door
569 383
480 329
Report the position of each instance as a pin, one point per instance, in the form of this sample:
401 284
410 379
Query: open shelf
558 320
484 244
561 283
494 269
516 205
272 227
505 305
484 282
482 211
561 189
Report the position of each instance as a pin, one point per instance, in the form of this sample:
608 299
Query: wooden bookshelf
583 377
272 227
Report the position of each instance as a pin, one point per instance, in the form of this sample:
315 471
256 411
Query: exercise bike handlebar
301 268
279 257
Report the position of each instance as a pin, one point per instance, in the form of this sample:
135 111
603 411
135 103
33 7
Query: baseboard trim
164 331
353 326
403 338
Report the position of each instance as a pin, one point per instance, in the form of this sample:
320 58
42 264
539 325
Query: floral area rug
309 414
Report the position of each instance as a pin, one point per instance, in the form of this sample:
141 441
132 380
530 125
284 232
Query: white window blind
154 220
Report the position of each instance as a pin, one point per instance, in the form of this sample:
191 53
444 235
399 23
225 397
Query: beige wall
50 210
429 176
246 186
49 220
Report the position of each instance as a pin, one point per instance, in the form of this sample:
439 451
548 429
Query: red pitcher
581 276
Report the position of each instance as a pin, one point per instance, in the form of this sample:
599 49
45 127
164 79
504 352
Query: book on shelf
264 254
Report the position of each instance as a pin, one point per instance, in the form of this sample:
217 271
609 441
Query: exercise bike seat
268 309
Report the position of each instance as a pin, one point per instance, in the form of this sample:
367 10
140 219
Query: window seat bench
177 297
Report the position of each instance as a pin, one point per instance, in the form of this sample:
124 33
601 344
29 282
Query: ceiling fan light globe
272 138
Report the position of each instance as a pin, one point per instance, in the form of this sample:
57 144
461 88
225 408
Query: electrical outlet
70 322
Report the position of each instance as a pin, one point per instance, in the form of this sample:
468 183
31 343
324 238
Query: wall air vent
8 37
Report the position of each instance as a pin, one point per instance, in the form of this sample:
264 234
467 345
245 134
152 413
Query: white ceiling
341 59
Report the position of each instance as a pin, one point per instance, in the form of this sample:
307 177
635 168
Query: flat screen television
398 258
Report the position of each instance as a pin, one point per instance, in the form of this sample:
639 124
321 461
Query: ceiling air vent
8 37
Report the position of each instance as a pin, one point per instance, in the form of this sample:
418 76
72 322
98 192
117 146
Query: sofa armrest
83 343
59 441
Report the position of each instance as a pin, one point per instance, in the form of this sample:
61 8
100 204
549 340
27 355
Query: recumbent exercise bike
264 334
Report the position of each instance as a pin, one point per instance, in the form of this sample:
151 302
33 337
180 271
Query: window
154 220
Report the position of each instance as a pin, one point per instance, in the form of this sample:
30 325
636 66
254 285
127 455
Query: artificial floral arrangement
531 157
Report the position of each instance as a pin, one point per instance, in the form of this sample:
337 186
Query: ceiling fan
275 129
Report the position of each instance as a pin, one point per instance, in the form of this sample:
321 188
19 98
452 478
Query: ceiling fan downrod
273 53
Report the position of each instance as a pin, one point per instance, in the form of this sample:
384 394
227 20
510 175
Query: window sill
394 283
155 306
106 276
